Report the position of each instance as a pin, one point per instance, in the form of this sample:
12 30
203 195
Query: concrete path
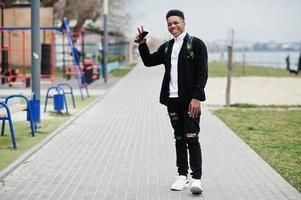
123 148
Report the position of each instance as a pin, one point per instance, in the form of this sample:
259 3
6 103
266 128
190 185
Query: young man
186 72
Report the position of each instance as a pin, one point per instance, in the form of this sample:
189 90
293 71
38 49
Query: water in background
265 59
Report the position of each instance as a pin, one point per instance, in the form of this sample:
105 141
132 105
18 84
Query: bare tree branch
80 10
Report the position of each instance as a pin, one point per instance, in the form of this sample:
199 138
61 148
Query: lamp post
35 48
2 43
35 56
105 38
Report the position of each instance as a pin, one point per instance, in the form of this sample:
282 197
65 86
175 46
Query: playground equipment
16 56
9 74
7 117
29 110
59 97
76 61
67 89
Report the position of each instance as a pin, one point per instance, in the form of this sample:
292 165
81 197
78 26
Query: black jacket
192 73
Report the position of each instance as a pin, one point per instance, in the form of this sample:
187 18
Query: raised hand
140 30
140 38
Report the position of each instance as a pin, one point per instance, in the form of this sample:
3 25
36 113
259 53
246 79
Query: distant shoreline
259 58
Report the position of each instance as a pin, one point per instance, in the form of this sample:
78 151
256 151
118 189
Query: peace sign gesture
140 30
140 38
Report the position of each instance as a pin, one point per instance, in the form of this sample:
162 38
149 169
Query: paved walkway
123 148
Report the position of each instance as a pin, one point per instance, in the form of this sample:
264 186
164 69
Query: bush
113 58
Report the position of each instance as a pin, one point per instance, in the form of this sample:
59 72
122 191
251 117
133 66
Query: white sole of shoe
186 186
196 190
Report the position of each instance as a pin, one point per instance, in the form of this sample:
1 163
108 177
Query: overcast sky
252 20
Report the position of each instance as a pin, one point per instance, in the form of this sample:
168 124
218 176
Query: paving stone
123 148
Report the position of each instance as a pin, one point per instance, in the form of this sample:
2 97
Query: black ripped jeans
186 130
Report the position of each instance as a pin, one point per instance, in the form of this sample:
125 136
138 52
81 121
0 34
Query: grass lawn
122 71
274 133
23 134
217 69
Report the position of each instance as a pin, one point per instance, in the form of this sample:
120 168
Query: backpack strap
188 47
166 47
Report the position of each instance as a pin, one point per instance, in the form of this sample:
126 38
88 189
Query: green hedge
113 58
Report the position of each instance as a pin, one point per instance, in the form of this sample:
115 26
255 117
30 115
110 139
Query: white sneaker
180 183
196 186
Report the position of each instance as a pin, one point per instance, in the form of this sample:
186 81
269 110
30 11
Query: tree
93 9
80 11
45 3
119 17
